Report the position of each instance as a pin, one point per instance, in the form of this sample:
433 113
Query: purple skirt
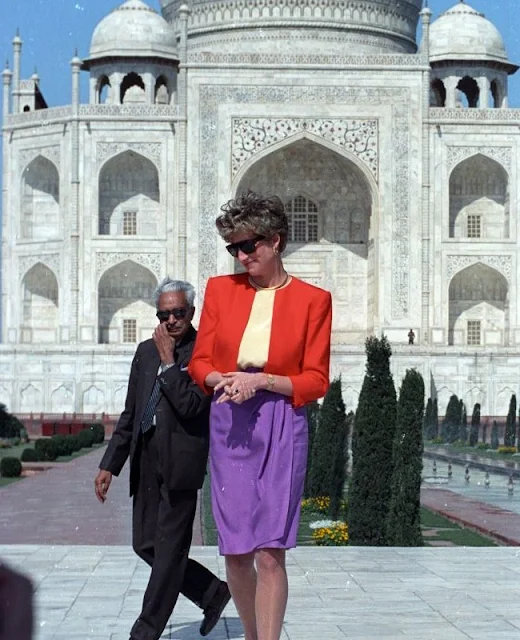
258 456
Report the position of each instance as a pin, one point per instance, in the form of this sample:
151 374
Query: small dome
134 29
462 33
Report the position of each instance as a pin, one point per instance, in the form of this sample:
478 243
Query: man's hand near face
165 343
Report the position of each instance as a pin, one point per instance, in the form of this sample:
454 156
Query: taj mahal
397 161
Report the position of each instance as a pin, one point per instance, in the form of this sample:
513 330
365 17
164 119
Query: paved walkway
59 506
94 593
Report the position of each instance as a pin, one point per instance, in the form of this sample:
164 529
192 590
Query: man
411 336
164 431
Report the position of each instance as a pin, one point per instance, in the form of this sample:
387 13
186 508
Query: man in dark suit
164 431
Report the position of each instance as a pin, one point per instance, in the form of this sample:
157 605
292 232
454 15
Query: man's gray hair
167 285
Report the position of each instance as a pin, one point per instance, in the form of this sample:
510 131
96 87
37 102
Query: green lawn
209 530
451 532
15 452
5 481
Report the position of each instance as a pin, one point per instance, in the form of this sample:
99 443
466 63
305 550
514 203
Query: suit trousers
162 532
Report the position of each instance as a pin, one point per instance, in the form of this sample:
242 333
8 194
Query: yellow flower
331 536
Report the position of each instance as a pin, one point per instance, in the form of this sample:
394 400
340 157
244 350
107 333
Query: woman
263 346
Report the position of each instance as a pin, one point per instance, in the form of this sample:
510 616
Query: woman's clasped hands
237 386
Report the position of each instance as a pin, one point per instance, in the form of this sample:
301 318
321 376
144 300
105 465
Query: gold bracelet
270 382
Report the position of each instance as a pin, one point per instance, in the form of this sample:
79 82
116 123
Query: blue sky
52 29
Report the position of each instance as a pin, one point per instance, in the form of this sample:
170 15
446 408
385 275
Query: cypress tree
374 430
328 467
435 419
510 433
494 435
404 519
313 417
484 433
518 434
428 420
463 432
475 426
340 461
452 419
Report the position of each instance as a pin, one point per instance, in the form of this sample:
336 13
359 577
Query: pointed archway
478 307
125 304
40 213
40 312
129 196
479 200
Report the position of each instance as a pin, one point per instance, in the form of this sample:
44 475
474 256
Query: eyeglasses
179 314
246 246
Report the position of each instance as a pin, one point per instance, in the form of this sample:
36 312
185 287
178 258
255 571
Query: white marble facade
397 166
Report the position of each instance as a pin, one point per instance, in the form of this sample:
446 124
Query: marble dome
133 29
463 33
311 27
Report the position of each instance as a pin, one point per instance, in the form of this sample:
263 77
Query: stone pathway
59 506
359 593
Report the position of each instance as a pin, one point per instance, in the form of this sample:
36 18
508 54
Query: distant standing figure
264 347
411 336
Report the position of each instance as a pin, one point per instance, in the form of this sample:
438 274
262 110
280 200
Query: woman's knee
237 564
270 560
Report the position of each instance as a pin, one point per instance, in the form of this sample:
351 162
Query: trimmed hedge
47 449
29 455
99 432
10 467
63 445
86 438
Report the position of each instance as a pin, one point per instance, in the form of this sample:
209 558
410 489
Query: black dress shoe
215 608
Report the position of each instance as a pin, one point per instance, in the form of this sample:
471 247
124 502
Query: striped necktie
151 405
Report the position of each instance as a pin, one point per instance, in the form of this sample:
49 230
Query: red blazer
300 334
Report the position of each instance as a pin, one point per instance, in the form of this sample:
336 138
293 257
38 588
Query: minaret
426 16
6 269
184 12
17 69
75 63
7 75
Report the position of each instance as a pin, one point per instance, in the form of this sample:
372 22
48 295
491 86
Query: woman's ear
276 243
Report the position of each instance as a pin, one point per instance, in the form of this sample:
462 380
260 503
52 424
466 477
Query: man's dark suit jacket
182 419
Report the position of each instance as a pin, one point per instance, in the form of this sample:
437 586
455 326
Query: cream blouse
254 348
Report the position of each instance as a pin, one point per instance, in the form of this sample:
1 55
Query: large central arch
325 187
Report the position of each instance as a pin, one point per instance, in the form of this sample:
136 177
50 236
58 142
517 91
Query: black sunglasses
179 314
246 246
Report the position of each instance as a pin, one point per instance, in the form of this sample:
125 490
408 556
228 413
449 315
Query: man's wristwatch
165 367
